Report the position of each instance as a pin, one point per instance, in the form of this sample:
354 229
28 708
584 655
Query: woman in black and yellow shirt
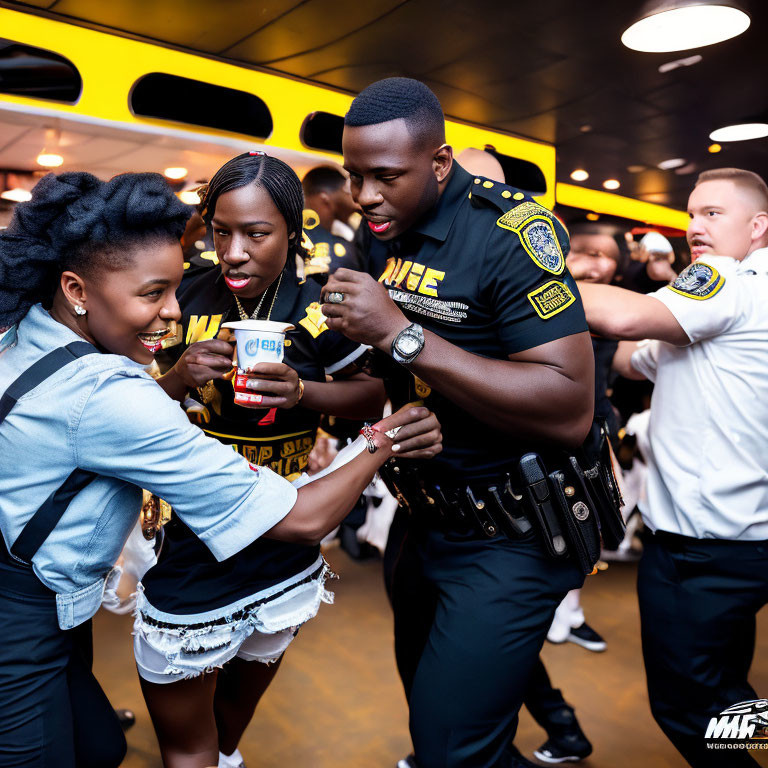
196 615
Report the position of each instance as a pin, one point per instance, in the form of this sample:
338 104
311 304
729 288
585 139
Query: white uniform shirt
708 474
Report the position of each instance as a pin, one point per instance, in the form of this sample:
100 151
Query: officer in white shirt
704 572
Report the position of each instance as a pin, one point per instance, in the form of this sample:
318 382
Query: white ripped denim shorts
170 647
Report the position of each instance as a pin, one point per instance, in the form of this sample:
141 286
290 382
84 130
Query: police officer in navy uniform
475 315
704 571
327 202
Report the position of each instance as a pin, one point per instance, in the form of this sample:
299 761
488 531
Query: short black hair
76 222
278 178
322 179
398 98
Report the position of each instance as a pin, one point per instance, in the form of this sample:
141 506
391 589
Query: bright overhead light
593 216
175 172
714 148
673 162
190 197
17 195
743 132
611 184
579 175
49 160
681 28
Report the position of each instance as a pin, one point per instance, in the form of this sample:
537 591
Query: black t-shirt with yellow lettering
187 578
484 269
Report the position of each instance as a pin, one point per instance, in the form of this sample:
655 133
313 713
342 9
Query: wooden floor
337 702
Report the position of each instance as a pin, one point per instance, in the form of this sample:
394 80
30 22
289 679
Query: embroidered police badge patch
551 298
698 281
536 231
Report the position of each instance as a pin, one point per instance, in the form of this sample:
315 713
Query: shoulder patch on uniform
535 227
698 281
310 219
551 298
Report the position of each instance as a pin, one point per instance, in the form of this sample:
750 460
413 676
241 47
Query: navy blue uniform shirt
485 270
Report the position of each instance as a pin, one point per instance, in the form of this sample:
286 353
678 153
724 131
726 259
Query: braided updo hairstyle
278 178
76 222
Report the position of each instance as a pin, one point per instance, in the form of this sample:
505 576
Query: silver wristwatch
408 343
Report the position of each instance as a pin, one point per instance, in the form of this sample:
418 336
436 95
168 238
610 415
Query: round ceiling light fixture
49 160
190 197
175 172
611 183
16 195
741 132
714 148
579 175
683 24
673 162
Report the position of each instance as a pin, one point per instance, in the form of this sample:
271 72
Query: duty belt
570 508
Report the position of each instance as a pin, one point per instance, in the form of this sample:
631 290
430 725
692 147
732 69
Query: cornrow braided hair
76 222
277 177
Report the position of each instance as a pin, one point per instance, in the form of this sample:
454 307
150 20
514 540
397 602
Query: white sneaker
235 760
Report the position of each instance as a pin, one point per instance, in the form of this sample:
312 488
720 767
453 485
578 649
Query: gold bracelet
301 391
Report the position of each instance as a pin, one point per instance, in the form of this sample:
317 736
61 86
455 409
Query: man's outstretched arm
621 314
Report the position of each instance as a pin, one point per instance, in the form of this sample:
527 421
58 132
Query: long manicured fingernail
396 447
253 384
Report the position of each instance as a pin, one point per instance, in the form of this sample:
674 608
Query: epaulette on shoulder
535 225
485 192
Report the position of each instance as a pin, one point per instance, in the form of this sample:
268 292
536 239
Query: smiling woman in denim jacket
88 274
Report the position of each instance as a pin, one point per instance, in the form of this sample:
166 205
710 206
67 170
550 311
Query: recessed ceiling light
17 195
742 132
586 128
673 162
579 175
635 168
714 148
175 173
611 184
593 216
680 28
49 160
190 197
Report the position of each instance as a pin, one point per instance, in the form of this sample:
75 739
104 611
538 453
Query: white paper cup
258 341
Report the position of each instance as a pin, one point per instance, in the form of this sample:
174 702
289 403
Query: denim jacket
104 414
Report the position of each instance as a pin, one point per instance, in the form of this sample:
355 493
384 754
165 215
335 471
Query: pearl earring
80 310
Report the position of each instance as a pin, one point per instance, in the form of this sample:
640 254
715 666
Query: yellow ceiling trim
617 205
110 65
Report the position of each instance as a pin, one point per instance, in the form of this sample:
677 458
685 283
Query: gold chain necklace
255 315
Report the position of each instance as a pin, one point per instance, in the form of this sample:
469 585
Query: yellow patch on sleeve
551 298
314 321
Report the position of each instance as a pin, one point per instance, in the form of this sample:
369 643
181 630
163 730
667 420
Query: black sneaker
587 638
408 762
568 748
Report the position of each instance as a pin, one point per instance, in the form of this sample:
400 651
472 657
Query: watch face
408 344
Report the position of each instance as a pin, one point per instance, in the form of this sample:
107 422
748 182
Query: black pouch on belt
604 490
577 509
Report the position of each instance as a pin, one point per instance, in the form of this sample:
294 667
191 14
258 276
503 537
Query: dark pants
698 600
53 713
471 616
